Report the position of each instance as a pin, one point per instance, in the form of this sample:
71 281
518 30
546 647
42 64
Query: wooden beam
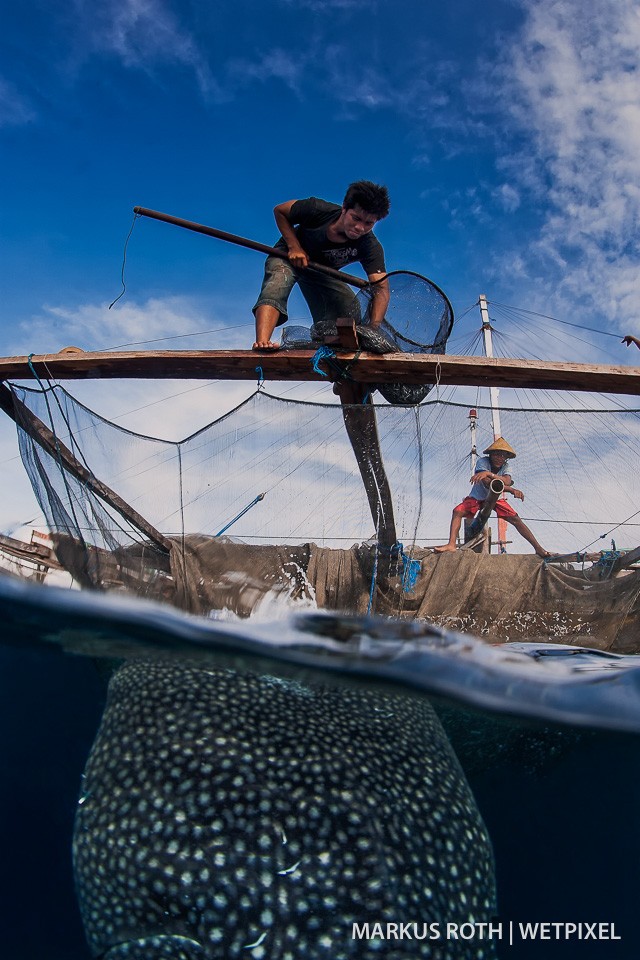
296 365
626 560
33 552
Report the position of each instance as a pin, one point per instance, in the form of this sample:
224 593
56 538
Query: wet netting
419 316
418 319
335 505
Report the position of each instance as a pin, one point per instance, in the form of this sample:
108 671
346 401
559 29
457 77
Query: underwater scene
307 786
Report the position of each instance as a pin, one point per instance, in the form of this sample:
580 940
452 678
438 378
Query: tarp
498 598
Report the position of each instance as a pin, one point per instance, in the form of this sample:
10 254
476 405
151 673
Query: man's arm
381 296
486 476
282 213
629 340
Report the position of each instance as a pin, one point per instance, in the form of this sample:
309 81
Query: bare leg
525 532
266 320
454 530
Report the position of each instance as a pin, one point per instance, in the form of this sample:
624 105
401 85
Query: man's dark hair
372 197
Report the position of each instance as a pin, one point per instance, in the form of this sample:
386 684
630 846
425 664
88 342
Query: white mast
494 392
494 395
473 422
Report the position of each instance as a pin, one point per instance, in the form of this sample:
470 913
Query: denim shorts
327 297
279 280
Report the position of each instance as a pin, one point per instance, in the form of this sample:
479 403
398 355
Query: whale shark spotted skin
227 814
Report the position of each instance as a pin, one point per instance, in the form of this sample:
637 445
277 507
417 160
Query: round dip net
418 319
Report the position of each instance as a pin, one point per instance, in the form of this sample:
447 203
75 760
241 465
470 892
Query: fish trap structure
270 500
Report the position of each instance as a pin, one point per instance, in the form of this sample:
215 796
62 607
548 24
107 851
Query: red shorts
470 506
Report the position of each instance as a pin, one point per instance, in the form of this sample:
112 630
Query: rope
374 573
327 355
603 535
177 336
124 260
410 570
322 353
182 559
607 560
532 313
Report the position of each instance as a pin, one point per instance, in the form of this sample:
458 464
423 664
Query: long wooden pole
45 438
244 242
296 365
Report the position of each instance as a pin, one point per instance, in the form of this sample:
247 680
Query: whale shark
226 813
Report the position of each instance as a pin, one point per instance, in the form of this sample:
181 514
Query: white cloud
96 327
573 86
275 64
161 408
15 109
145 34
508 197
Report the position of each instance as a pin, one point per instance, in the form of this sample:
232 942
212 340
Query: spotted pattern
228 815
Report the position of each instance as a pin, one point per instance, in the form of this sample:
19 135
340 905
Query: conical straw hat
501 445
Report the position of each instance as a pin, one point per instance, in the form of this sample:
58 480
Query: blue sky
508 134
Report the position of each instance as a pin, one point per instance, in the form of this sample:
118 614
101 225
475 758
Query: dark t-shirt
312 217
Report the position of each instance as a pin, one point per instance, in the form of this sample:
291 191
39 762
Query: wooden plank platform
75 364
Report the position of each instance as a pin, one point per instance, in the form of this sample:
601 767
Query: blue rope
322 353
608 559
410 568
260 376
373 581
410 572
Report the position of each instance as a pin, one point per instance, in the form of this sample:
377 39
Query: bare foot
447 548
545 553
266 345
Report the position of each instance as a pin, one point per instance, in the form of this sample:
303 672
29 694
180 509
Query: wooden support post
362 430
347 336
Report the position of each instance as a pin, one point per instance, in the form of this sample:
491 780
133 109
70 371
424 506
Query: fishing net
270 499
418 319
